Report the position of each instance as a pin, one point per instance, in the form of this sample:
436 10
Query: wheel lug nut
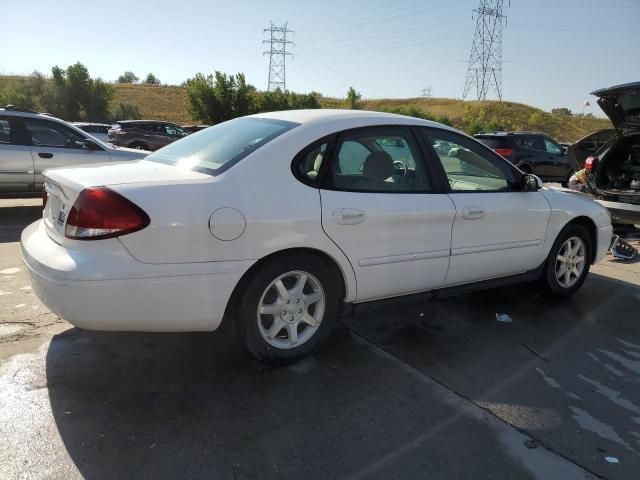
292 318
300 311
288 301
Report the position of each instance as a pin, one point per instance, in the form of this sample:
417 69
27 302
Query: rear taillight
591 163
119 131
99 212
45 197
505 152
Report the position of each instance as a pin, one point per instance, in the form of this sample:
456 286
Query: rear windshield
217 148
493 142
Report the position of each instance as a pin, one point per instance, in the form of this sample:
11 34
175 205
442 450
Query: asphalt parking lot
436 390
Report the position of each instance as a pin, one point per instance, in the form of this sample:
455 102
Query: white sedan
281 221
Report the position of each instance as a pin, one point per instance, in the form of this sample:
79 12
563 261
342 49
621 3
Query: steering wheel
401 165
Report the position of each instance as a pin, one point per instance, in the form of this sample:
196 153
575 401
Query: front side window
552 147
51 134
174 131
378 160
469 166
217 148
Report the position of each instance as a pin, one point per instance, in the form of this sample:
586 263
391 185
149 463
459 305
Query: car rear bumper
622 212
107 289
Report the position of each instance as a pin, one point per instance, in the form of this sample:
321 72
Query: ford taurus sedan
279 222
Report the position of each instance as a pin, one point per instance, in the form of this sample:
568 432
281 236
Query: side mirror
531 183
91 145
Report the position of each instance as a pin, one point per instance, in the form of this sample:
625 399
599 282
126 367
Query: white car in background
280 221
31 142
97 130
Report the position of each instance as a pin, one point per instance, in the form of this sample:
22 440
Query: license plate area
55 212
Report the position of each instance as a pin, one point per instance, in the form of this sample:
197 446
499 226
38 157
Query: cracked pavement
435 390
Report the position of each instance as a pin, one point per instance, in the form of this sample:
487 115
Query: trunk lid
621 104
63 185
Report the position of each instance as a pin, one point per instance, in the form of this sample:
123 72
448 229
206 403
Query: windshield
217 148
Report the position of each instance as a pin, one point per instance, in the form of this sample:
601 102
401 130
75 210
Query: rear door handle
349 216
472 212
45 155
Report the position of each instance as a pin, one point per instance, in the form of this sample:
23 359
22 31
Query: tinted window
5 131
530 142
378 160
53 134
470 167
217 148
552 147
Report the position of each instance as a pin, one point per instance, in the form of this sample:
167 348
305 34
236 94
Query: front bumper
106 289
605 233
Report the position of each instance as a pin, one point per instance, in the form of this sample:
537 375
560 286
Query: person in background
578 181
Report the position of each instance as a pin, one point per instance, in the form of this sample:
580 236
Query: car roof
328 115
87 124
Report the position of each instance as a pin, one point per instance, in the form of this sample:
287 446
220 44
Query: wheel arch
332 262
590 226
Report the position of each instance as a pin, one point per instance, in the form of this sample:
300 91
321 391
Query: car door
381 208
535 155
499 229
561 167
54 144
16 162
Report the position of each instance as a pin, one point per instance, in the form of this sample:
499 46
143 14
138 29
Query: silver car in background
97 130
31 142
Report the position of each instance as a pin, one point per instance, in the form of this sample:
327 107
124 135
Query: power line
485 61
278 44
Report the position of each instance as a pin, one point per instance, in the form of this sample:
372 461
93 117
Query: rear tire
287 309
568 262
525 168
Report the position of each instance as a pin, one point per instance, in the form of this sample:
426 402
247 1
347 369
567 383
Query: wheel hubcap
570 262
291 309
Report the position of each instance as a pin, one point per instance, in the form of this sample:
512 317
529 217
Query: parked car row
32 142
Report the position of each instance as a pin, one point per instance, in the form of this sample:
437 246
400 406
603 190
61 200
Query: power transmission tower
426 92
277 52
485 62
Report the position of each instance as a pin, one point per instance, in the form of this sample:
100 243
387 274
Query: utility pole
277 52
426 92
485 61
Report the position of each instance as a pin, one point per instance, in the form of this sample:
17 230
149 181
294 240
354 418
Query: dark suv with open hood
614 170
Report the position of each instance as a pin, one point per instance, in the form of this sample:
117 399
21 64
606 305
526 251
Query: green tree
151 79
353 99
125 111
74 95
127 77
561 111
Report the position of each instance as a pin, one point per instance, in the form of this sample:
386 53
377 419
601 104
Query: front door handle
473 212
45 155
349 216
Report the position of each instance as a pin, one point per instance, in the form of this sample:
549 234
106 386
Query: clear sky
555 51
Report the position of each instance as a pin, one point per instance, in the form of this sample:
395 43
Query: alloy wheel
570 262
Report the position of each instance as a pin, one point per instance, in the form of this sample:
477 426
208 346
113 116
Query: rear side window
5 131
530 142
218 148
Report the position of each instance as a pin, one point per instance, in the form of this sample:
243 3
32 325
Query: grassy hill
171 103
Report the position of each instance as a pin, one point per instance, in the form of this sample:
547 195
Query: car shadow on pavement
195 405
14 219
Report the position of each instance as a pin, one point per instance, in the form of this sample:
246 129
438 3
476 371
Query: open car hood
621 104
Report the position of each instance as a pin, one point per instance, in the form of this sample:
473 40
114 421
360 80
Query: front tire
288 308
568 262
